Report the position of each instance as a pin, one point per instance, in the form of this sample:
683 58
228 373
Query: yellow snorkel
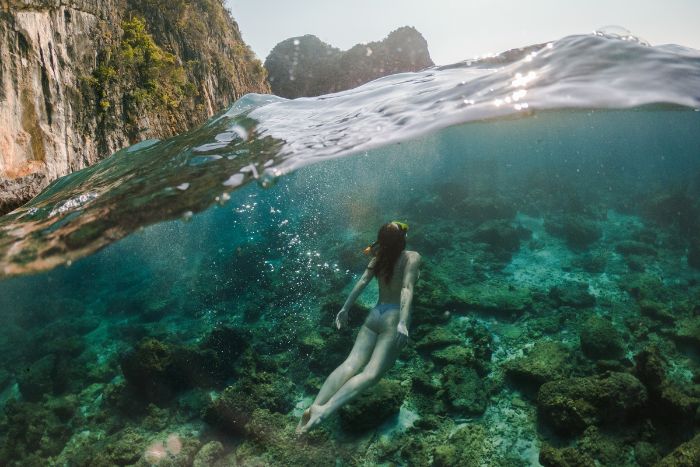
402 225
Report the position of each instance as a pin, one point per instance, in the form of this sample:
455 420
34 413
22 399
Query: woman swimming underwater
384 331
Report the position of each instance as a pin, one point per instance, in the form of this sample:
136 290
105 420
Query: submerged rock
438 337
502 237
497 298
480 342
674 209
34 430
154 369
687 331
270 440
158 370
455 355
434 299
122 448
646 454
632 247
645 287
669 402
563 457
657 311
37 379
208 454
373 407
464 390
685 455
599 339
605 447
546 361
469 446
578 232
591 262
570 405
572 293
233 409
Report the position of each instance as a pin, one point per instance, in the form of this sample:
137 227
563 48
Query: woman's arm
342 318
409 280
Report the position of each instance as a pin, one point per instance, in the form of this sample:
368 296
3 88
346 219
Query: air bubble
223 198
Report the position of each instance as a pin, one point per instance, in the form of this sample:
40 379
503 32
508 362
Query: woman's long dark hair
392 241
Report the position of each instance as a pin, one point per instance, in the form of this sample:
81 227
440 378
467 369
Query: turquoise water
556 313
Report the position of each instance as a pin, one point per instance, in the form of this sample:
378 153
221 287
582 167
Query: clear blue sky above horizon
460 29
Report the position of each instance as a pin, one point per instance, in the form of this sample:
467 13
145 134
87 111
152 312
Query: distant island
306 66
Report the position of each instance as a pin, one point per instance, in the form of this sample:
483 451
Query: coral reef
554 321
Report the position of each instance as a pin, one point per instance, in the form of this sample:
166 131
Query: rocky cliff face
306 66
80 79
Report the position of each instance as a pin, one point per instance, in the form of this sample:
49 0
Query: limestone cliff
80 79
307 66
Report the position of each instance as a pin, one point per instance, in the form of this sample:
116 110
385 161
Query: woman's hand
401 333
341 318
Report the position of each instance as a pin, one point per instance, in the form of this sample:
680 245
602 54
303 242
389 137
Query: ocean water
173 304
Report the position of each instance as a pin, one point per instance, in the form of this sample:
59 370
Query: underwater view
175 303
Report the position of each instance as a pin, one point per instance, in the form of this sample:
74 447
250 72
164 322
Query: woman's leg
383 358
359 356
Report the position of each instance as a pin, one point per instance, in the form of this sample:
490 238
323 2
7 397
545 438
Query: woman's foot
303 420
307 422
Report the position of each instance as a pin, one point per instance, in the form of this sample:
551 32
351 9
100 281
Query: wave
263 137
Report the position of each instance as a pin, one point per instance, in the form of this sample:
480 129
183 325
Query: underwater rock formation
306 66
233 409
502 237
373 407
464 390
685 455
437 338
600 339
157 370
498 299
546 361
81 79
563 457
571 405
572 293
578 232
670 403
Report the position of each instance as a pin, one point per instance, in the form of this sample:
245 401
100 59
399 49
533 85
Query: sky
461 29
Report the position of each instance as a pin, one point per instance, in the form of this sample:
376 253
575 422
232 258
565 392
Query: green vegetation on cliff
158 61
155 77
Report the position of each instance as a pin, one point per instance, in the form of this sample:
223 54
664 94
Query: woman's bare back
390 292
